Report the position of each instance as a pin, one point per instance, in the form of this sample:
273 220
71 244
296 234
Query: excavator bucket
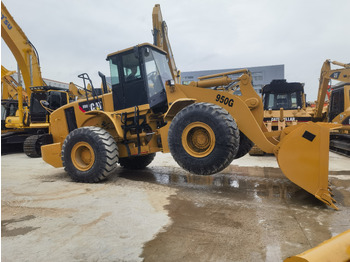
334 249
303 156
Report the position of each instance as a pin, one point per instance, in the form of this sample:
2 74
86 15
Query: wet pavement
163 213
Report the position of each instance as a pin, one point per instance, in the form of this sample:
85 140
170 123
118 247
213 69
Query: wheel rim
83 156
198 139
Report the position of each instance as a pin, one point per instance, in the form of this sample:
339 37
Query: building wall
262 75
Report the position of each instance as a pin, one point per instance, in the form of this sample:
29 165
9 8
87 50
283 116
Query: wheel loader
204 125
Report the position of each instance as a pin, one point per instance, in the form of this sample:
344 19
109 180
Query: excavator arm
22 49
161 39
9 85
341 74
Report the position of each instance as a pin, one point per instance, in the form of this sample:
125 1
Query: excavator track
340 144
32 145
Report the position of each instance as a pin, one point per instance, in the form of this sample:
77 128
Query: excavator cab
337 103
44 100
138 76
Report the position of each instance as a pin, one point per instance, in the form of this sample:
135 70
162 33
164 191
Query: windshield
157 71
285 101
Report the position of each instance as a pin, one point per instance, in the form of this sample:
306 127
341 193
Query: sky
75 36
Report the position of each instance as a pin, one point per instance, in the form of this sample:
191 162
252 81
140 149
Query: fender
104 119
176 107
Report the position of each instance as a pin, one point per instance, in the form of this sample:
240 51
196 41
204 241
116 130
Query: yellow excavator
9 85
338 110
9 97
30 124
199 124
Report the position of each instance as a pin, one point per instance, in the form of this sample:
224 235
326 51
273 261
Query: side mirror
104 83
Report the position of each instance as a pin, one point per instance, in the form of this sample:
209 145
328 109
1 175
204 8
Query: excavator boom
10 85
22 49
341 74
161 39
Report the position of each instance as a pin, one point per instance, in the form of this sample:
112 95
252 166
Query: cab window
131 67
114 71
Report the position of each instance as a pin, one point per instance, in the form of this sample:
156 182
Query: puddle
242 214
241 183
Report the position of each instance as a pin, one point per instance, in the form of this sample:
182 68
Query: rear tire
89 154
245 145
203 138
136 162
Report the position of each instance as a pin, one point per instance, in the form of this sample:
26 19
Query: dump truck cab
138 77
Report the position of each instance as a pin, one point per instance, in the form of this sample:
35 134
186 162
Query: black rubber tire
245 145
226 138
32 146
136 162
105 152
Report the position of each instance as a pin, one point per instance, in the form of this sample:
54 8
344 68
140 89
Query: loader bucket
303 156
334 249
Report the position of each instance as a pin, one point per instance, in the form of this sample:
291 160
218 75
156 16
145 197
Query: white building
262 75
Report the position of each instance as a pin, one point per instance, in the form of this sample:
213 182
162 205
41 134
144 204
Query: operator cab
138 77
337 101
45 99
281 94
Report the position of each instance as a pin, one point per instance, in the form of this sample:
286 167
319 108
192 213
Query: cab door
128 85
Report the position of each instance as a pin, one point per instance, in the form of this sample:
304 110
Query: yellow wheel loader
203 125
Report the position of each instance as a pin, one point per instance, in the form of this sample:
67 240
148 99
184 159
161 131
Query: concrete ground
248 212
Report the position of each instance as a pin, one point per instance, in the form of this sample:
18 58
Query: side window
294 101
3 112
271 101
114 71
131 67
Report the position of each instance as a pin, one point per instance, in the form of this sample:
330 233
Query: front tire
89 154
203 138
